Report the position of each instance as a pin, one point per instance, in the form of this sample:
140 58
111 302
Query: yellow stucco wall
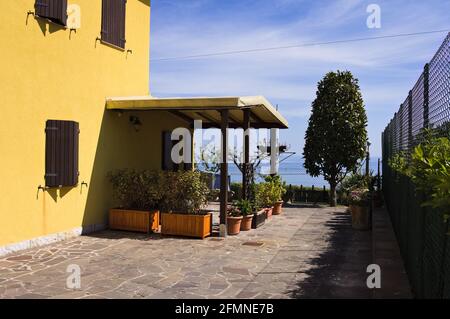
48 72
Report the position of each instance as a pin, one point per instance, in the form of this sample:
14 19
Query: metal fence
421 232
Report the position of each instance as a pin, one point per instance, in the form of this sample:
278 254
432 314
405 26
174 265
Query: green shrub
133 189
181 192
245 207
429 169
184 192
354 181
270 191
278 187
359 197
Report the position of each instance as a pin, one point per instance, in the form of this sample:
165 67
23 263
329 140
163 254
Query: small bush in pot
184 192
246 209
184 195
264 197
359 200
277 190
136 194
234 220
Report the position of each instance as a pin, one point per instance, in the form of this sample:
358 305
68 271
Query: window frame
113 21
61 153
53 13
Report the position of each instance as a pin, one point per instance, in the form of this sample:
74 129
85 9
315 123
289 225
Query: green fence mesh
421 232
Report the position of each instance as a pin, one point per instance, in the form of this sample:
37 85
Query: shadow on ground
335 266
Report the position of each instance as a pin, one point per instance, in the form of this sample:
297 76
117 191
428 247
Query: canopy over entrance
207 109
214 112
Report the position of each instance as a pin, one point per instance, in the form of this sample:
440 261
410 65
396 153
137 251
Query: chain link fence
421 232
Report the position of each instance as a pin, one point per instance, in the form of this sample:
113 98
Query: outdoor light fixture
136 122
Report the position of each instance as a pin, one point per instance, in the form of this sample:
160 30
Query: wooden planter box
259 219
197 226
134 220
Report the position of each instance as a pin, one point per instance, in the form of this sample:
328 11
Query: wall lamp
136 122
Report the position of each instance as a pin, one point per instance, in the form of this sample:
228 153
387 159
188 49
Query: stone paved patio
304 253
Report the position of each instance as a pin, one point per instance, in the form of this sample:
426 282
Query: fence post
410 106
379 171
324 194
426 124
426 96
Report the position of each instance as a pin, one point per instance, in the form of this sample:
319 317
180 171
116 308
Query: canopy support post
224 174
246 164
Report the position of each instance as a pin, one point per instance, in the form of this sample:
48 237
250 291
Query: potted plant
263 198
277 190
234 220
246 208
359 207
184 196
137 194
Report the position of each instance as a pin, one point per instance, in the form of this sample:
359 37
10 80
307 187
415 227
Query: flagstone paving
308 252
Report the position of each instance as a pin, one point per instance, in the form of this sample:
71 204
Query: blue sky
387 69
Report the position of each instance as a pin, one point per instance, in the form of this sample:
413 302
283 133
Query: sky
386 68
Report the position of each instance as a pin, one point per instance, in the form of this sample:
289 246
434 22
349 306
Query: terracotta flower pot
277 208
269 212
360 217
246 223
234 225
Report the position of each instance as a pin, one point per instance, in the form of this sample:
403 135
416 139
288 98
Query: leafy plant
184 192
263 195
336 137
278 187
270 191
134 189
429 169
233 211
245 207
355 181
359 197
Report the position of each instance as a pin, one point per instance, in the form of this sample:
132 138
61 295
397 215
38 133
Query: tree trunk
333 196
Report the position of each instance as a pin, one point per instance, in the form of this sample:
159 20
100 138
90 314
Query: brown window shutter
61 153
54 10
113 22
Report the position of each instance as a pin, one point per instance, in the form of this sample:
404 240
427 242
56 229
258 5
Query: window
61 153
113 22
54 10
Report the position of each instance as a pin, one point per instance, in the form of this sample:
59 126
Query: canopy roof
207 109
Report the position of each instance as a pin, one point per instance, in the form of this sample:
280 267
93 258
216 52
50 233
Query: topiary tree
336 138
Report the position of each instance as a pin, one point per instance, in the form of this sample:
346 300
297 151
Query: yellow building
83 61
